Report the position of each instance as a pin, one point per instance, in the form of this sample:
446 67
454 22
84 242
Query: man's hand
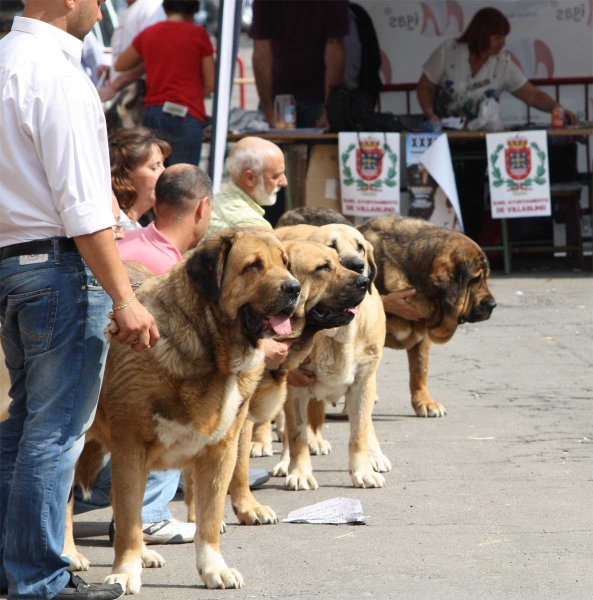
275 352
106 93
102 69
298 378
135 327
322 121
395 303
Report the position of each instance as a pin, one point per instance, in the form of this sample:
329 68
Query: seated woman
137 160
461 73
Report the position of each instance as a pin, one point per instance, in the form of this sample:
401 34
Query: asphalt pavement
491 501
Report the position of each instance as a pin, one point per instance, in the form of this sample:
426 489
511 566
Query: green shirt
234 208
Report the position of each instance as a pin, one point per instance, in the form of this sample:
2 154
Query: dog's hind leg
248 510
316 419
361 399
261 440
300 470
187 473
280 425
77 561
128 483
422 402
213 470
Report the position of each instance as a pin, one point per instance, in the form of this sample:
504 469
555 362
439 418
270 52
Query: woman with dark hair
179 64
461 73
137 159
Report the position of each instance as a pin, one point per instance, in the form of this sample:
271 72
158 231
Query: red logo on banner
369 160
518 159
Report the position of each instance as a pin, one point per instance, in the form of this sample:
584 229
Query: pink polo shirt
149 247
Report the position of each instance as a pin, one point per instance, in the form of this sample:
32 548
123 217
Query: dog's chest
334 366
182 441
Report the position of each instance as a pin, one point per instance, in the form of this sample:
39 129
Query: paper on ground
337 511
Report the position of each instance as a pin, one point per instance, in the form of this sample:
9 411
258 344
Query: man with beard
256 168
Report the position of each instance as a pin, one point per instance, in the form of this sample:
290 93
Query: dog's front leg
422 402
360 399
77 561
261 439
128 482
248 510
300 470
316 418
213 470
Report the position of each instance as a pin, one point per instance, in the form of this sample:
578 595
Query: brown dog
448 271
185 400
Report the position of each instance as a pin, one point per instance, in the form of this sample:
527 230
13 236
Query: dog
329 296
345 362
311 215
449 272
185 400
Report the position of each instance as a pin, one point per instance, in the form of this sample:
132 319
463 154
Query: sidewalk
492 501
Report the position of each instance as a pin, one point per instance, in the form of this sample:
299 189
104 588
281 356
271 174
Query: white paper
437 161
331 189
453 122
337 511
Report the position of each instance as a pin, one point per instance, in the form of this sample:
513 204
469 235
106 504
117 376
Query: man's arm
425 92
395 303
125 79
334 59
134 322
262 69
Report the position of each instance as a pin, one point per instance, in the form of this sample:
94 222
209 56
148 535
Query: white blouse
458 93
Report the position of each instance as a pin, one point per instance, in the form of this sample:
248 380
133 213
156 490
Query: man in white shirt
57 259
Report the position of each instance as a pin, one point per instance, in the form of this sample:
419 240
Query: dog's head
245 271
354 252
458 278
330 292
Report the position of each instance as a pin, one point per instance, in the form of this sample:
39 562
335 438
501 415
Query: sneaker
78 589
170 531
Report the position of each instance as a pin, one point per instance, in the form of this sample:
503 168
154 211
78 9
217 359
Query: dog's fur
311 215
185 400
448 271
345 362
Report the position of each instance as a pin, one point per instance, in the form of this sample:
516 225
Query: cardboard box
322 187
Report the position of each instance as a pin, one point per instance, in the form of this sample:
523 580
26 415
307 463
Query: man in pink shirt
183 207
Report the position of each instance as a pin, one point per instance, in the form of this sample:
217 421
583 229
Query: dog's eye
324 267
334 245
361 248
255 266
475 279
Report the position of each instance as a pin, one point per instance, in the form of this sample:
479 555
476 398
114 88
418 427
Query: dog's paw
298 479
430 409
224 579
367 478
257 515
78 562
281 469
259 449
152 559
319 447
128 576
380 463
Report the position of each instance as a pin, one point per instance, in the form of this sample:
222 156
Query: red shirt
172 52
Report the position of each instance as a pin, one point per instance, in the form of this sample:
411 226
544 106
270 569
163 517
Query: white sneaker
171 531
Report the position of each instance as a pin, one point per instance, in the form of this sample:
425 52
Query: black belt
38 247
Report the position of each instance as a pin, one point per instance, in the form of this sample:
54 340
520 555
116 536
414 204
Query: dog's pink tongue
353 310
281 324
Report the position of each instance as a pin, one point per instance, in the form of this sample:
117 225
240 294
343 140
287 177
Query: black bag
354 110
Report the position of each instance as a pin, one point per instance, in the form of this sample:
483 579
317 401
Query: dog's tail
88 466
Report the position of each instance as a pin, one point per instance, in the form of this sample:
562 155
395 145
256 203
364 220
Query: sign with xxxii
369 173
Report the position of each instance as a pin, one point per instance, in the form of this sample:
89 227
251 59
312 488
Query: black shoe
78 589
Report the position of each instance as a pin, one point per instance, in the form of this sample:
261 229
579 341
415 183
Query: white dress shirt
133 20
55 175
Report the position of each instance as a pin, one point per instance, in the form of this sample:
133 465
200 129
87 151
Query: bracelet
126 304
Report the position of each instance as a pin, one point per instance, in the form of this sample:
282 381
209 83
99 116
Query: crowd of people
73 200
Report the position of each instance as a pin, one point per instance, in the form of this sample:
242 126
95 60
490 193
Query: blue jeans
52 317
308 113
161 487
183 133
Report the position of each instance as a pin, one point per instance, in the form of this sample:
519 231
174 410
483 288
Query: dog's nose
362 282
490 304
292 287
354 264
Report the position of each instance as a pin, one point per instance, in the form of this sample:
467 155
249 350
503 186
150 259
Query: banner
369 173
431 182
519 174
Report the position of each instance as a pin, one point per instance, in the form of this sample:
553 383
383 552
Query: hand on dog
134 326
396 304
298 378
275 352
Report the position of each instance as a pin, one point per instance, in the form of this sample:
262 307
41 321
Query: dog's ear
449 277
370 256
206 265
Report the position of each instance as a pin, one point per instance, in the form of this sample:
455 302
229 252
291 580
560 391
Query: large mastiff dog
449 272
185 401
